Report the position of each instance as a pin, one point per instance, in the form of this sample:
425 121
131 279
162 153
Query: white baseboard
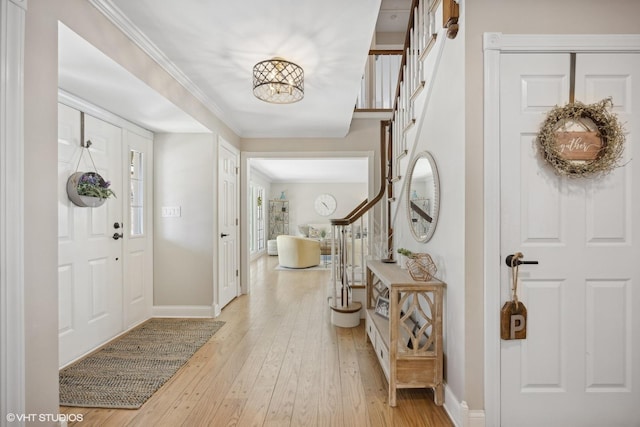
183 311
476 418
459 412
453 407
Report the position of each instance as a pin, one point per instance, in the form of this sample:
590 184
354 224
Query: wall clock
325 204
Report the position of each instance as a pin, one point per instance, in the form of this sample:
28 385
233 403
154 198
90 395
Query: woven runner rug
126 372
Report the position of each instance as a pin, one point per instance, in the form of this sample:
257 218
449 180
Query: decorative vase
402 261
79 200
91 202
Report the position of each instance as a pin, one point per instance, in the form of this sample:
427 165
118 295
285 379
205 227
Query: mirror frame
436 197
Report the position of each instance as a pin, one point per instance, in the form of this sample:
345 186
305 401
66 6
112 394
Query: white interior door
580 362
90 259
227 224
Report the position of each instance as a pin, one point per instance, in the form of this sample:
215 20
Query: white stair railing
378 84
420 38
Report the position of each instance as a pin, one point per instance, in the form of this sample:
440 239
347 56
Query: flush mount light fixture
278 81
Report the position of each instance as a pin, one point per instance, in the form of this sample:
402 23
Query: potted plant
88 189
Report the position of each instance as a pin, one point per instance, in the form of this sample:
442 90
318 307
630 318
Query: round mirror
423 196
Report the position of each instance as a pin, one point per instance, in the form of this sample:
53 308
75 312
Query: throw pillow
303 230
314 233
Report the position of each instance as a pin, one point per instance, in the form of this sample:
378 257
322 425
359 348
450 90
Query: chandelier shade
278 81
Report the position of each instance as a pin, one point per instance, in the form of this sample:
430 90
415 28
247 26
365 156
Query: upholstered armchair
298 252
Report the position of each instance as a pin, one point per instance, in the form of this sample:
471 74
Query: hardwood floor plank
354 405
330 399
375 387
278 361
305 405
282 400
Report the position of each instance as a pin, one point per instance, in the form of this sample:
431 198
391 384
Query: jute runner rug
127 371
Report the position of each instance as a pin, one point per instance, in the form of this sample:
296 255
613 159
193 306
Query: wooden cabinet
409 342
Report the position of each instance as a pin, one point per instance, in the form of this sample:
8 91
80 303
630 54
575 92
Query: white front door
227 224
89 259
580 362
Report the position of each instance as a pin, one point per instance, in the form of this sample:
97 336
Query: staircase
353 242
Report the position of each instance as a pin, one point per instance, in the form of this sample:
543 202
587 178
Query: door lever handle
223 235
117 236
509 259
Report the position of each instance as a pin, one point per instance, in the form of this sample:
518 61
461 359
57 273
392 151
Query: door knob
223 235
116 225
518 261
117 236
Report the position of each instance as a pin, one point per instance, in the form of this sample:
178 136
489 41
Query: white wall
302 197
41 215
183 246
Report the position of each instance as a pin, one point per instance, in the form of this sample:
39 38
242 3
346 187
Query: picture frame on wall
382 307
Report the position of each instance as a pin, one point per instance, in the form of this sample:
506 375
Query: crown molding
129 29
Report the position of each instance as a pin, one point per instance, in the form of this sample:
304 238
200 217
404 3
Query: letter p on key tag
513 315
513 321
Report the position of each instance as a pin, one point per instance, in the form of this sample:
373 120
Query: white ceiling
211 47
393 16
215 44
88 73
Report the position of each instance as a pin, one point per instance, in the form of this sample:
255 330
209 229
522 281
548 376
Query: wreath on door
595 148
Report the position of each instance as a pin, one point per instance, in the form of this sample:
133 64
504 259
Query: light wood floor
278 361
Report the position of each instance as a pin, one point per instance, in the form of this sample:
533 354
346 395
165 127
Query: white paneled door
580 362
90 259
227 224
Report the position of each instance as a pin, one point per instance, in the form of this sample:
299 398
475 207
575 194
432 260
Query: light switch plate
171 211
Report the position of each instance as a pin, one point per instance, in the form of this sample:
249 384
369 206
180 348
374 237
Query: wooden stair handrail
357 208
363 207
385 52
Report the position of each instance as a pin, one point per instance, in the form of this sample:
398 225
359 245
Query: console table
409 342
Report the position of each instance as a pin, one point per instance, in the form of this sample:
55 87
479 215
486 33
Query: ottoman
272 247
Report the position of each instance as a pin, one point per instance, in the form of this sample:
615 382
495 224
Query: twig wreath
608 130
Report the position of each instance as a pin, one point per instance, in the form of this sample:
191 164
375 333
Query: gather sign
578 145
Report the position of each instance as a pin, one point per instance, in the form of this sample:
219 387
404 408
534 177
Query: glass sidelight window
137 193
